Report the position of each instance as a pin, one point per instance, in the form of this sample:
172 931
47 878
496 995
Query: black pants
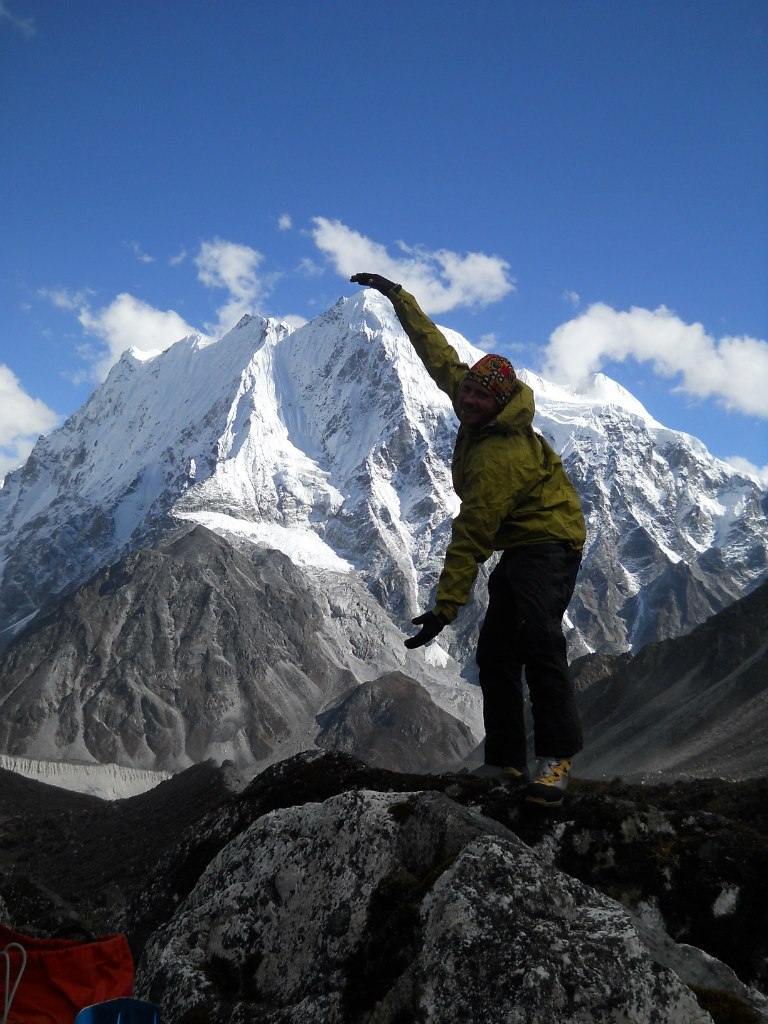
529 591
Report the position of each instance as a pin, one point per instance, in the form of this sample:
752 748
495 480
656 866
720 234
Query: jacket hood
518 413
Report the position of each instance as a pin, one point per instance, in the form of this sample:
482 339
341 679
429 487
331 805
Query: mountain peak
604 390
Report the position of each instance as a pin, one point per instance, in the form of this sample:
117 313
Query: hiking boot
550 782
508 773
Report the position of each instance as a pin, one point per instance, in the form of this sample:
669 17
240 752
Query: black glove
431 625
381 284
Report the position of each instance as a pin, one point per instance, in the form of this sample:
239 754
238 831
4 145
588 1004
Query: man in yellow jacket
515 498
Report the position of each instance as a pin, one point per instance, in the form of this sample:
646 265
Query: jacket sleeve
489 498
439 357
469 547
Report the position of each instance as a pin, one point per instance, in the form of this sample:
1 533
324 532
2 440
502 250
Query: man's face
477 406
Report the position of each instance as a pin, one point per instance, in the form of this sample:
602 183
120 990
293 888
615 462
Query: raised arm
439 357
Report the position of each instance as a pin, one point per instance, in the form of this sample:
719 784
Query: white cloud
731 370
441 280
760 473
310 268
175 261
22 420
572 298
285 222
24 25
294 320
139 253
63 298
129 322
233 267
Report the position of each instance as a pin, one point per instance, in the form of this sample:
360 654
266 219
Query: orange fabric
62 976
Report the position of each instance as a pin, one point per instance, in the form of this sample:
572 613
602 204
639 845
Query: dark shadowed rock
378 887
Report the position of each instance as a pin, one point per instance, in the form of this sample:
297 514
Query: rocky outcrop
377 906
328 890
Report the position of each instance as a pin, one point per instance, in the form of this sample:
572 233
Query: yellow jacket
511 483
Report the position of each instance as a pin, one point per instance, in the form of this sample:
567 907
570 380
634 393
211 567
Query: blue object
120 1011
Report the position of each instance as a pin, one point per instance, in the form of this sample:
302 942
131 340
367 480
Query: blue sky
580 185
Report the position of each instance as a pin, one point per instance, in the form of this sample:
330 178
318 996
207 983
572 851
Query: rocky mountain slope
197 650
159 662
696 706
327 890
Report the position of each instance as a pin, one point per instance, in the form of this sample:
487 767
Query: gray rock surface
693 965
198 650
287 921
392 722
506 938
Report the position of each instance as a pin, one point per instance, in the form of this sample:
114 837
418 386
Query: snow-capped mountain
331 444
674 534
